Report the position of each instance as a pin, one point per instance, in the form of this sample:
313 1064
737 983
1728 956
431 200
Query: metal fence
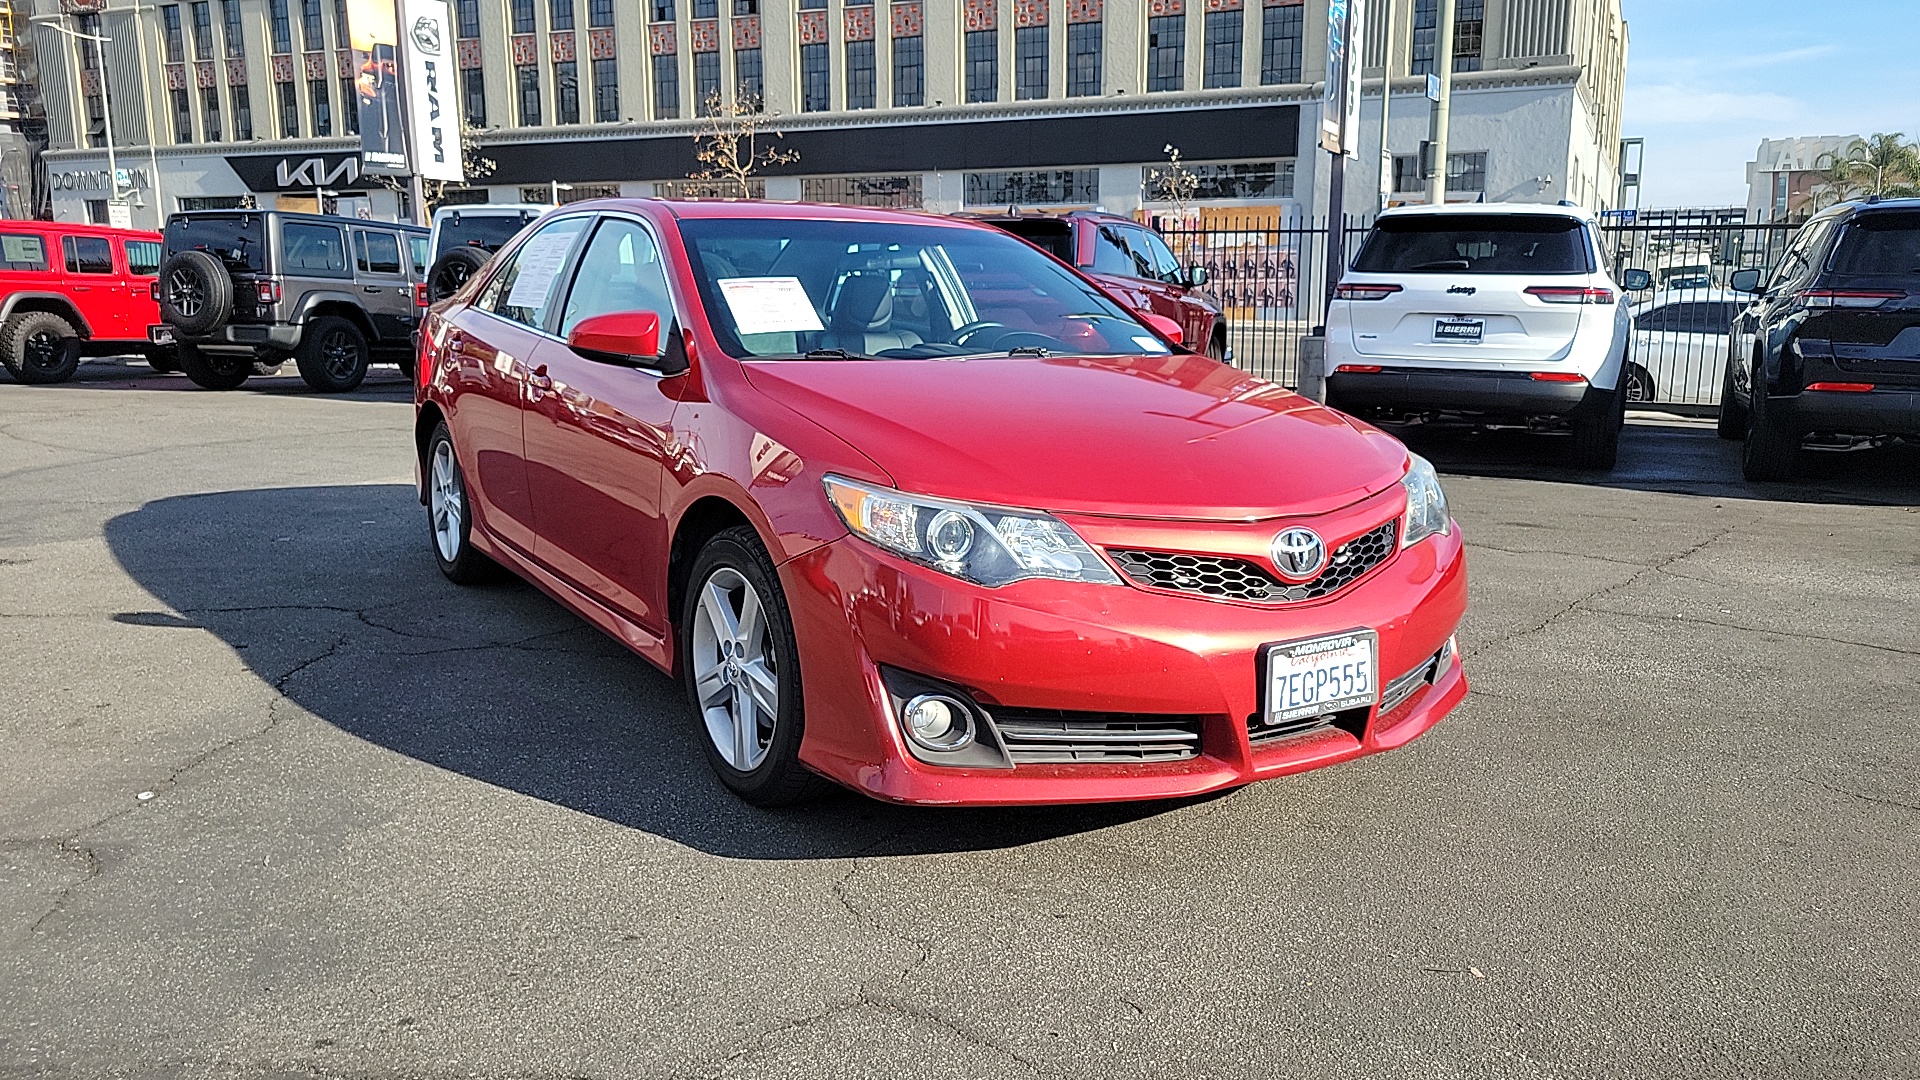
1269 273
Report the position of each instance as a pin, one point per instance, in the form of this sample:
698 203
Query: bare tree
729 147
1174 182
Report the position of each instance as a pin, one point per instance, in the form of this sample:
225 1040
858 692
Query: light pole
1443 108
106 100
1386 107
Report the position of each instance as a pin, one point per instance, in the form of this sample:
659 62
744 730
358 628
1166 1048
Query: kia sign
375 39
1340 109
432 108
298 172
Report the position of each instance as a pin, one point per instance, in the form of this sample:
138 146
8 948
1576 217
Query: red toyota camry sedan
911 507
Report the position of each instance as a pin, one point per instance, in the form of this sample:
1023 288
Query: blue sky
1708 79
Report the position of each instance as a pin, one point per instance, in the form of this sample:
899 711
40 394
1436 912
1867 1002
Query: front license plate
1459 329
1322 675
160 335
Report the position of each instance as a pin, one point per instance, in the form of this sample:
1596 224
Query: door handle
369 288
537 378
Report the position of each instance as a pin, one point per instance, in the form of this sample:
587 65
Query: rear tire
1771 454
450 516
39 348
332 355
1639 385
452 270
1596 439
214 371
1732 425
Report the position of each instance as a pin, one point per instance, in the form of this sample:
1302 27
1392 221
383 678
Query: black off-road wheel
452 270
39 347
196 292
332 355
214 371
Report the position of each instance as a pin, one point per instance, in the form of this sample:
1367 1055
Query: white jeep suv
1491 314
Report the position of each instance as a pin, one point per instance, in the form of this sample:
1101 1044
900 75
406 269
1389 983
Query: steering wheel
961 335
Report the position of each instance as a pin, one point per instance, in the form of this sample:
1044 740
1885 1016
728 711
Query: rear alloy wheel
449 519
1596 437
743 672
39 347
214 371
332 355
452 270
1771 454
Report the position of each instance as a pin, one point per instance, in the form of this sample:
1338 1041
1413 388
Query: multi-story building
944 104
1786 176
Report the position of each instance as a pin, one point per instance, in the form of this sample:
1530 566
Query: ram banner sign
375 40
432 107
1340 110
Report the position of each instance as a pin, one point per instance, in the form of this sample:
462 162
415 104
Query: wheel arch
52 304
319 305
704 518
430 417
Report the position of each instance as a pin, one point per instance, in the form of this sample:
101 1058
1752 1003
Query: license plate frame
1282 702
160 335
1459 330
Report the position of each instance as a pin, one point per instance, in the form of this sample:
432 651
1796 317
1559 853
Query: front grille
1039 736
1227 578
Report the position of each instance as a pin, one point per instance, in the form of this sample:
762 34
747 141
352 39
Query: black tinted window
1110 254
88 255
313 249
22 251
376 252
489 231
1882 243
1055 236
236 240
1476 244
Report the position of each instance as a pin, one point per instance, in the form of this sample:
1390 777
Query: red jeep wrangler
68 291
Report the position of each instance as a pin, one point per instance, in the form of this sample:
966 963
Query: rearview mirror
1165 327
1636 280
1196 277
1747 281
628 338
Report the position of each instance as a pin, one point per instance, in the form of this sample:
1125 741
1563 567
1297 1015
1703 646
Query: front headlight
988 545
1426 504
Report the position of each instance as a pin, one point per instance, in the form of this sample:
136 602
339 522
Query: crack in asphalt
89 862
1837 790
1641 615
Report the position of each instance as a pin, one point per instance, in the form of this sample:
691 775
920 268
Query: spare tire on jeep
196 294
451 270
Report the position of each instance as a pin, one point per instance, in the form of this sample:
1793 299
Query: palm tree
1885 165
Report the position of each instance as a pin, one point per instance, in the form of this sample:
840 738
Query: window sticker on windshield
538 264
1150 344
769 305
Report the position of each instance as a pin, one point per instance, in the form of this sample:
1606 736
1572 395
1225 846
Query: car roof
82 229
1478 209
484 209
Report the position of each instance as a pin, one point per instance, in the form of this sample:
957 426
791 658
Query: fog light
938 722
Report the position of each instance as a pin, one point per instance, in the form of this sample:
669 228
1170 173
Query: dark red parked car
1132 262
913 507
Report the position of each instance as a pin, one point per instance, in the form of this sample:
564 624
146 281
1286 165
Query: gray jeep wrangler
245 290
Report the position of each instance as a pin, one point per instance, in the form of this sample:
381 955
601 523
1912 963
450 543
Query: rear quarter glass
1476 244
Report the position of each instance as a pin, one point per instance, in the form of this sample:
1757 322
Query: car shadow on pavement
384 381
1672 456
331 596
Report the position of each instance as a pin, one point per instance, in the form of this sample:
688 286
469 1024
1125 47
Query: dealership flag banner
375 40
431 104
1340 111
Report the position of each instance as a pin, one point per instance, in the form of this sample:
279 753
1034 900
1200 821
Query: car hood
1155 436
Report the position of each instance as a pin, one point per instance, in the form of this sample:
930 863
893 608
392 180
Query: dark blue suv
1831 345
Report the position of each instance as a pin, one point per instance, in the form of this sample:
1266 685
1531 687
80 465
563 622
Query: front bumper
1876 412
1481 393
1115 649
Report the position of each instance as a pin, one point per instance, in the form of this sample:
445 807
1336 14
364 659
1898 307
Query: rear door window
23 251
143 257
376 252
311 250
1885 243
1529 244
1655 320
88 254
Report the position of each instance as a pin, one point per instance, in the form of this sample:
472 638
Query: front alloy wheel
735 671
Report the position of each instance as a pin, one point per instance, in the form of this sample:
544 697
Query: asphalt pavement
278 801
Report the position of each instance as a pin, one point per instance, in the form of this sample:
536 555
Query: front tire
1596 438
450 515
333 355
214 371
39 348
1732 424
1771 454
742 670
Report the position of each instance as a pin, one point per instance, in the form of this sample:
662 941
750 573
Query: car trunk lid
1866 313
1436 317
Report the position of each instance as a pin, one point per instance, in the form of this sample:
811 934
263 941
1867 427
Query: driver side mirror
1635 280
1746 281
1165 327
626 338
1196 276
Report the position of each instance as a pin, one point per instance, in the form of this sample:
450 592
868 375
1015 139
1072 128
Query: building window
170 24
322 108
1237 180
1037 187
1029 63
467 18
816 78
242 115
97 211
523 16
527 81
182 117
706 84
599 12
899 192
96 121
349 107
203 30
662 11
1083 59
281 26
749 79
566 92
752 7
909 71
289 111
862 77
230 27
1280 37
606 91
210 112
1166 52
666 87
473 95
706 9
313 32
983 65
1469 23
561 15
1223 48
1466 173
813 5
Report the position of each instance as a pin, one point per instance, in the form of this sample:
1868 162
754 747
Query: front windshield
794 288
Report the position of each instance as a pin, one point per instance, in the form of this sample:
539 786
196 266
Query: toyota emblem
1299 553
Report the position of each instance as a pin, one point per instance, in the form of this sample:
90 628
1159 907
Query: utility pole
1442 109
1386 106
52 22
